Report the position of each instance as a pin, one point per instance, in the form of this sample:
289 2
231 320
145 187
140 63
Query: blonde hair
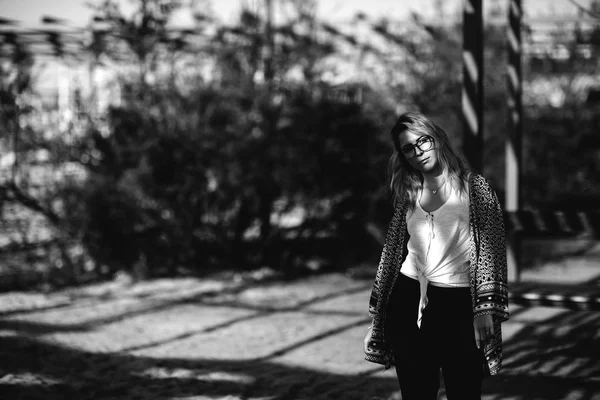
405 182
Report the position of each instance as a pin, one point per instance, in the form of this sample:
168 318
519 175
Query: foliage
33 230
563 172
241 151
186 178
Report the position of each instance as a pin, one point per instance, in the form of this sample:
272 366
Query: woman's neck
434 178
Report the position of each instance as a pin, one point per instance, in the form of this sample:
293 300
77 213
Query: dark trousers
445 341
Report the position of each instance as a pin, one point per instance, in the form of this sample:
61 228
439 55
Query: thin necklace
434 191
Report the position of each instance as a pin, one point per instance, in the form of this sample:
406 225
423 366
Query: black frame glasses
424 143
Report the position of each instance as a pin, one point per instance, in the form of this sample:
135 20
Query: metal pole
514 137
472 93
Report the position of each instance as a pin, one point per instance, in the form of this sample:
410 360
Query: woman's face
419 150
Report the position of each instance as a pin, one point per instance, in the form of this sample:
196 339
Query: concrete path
210 339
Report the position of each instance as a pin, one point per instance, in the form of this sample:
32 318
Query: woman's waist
464 284
447 275
440 283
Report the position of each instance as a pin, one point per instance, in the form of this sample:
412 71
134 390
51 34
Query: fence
553 224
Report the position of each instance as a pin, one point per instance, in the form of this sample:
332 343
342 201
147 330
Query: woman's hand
484 329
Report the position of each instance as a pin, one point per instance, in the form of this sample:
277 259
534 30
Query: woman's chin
425 167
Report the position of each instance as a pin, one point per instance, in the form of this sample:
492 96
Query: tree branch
585 10
12 192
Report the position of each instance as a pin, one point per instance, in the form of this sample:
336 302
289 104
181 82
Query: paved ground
210 339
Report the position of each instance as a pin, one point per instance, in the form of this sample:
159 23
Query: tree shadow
38 328
542 362
71 373
258 312
204 299
553 358
31 310
556 358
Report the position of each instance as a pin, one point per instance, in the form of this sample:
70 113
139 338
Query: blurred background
167 138
193 193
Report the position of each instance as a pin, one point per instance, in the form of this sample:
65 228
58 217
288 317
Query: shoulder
482 193
479 183
477 179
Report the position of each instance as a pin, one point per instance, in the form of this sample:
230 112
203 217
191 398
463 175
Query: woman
440 291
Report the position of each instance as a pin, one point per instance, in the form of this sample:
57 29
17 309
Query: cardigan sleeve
388 255
491 292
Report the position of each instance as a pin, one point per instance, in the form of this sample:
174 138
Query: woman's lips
424 160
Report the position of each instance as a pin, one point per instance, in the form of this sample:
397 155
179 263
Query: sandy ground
214 339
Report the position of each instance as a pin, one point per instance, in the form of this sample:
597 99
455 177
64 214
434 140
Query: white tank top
438 247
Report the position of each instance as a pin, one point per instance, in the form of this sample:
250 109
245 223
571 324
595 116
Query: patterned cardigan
487 272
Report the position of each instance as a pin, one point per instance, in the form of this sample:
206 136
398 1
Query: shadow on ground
70 374
555 358
550 358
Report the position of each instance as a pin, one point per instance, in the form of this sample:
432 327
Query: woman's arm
393 239
491 272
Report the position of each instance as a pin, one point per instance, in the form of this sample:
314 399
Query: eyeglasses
424 143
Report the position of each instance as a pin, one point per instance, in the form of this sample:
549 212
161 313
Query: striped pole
542 223
574 297
472 92
513 139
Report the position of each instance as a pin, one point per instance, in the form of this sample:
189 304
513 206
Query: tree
186 176
560 149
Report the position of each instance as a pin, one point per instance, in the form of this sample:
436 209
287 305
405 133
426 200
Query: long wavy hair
405 182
